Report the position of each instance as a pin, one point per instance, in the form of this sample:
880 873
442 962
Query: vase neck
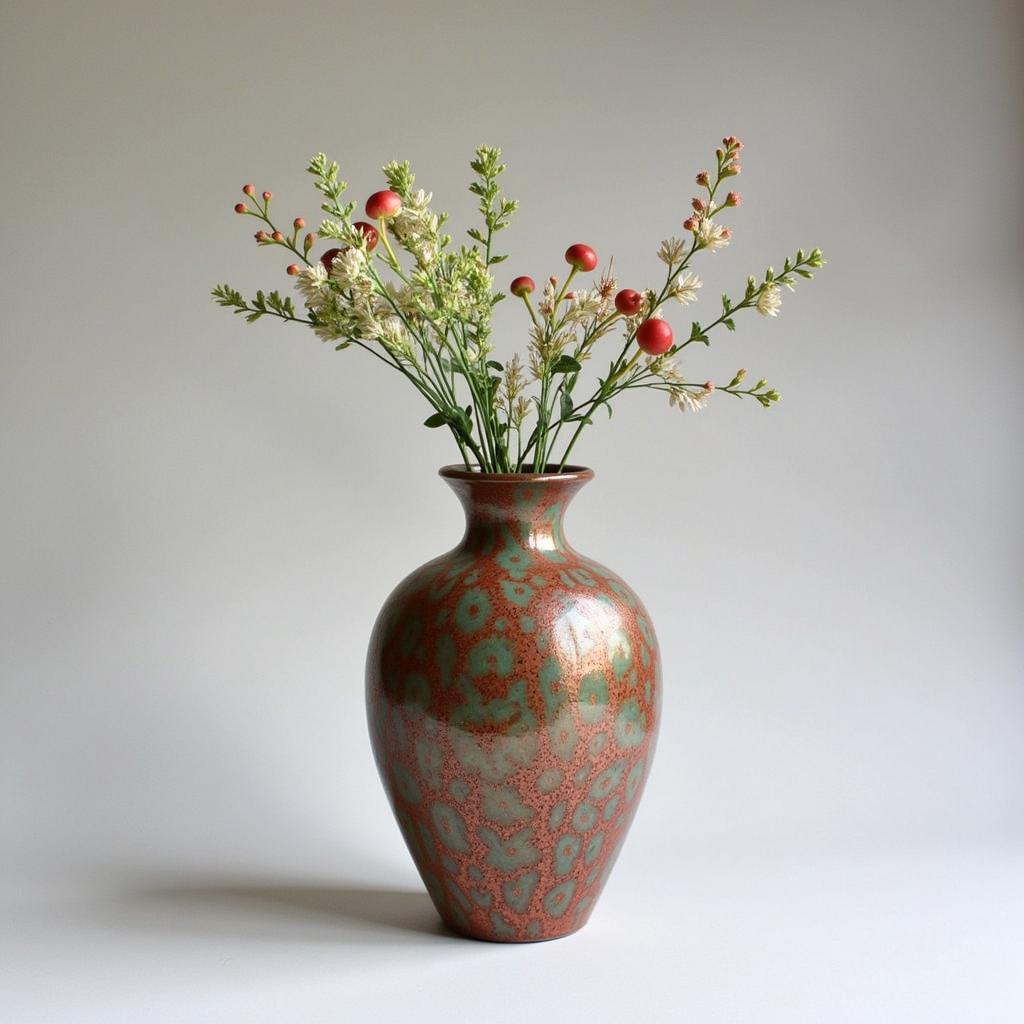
525 509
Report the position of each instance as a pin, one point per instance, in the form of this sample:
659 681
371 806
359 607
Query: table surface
930 934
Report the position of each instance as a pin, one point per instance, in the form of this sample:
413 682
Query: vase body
513 694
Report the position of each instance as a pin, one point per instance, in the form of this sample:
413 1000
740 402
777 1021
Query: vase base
519 938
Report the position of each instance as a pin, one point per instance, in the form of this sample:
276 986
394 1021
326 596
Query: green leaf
566 364
567 406
438 419
495 365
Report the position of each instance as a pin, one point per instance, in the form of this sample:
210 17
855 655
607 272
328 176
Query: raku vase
513 691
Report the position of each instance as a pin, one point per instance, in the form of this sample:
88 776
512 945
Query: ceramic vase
513 693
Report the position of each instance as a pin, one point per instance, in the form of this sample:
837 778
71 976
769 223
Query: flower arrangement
429 316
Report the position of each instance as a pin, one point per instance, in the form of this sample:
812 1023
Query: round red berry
249 190
329 257
581 256
521 286
294 269
628 302
369 232
382 205
241 208
654 337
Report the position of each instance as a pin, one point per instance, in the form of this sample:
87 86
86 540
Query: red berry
294 269
628 302
241 208
581 256
521 286
328 258
654 337
249 190
298 223
369 232
382 205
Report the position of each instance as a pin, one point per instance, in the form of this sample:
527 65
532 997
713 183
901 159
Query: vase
513 694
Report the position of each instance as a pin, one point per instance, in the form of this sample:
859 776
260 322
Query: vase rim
551 474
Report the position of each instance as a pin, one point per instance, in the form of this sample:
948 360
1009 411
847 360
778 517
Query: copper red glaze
513 691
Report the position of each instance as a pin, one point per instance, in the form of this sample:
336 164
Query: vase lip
551 474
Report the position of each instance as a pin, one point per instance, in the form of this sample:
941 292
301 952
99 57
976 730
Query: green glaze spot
491 656
556 816
631 724
472 611
503 805
510 854
517 891
557 900
450 827
567 849
549 780
608 780
584 818
593 697
593 849
550 678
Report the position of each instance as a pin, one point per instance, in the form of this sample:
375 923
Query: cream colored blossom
687 401
770 300
672 251
685 287
711 235
348 268
394 337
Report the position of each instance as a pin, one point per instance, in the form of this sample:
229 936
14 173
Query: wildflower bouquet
428 315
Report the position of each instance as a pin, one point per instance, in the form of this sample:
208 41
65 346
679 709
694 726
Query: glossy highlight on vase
513 693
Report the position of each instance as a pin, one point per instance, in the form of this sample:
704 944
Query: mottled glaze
513 690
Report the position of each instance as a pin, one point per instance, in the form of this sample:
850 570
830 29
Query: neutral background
200 519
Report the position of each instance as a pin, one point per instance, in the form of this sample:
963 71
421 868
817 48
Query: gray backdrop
200 518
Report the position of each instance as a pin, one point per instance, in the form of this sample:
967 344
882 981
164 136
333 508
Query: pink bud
698 204
277 236
709 386
734 199
727 232
570 295
241 208
261 237
298 223
703 178
294 269
690 224
719 153
553 281
249 190
267 196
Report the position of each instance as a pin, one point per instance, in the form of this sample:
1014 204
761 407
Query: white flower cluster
712 236
416 228
769 302
679 396
685 287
